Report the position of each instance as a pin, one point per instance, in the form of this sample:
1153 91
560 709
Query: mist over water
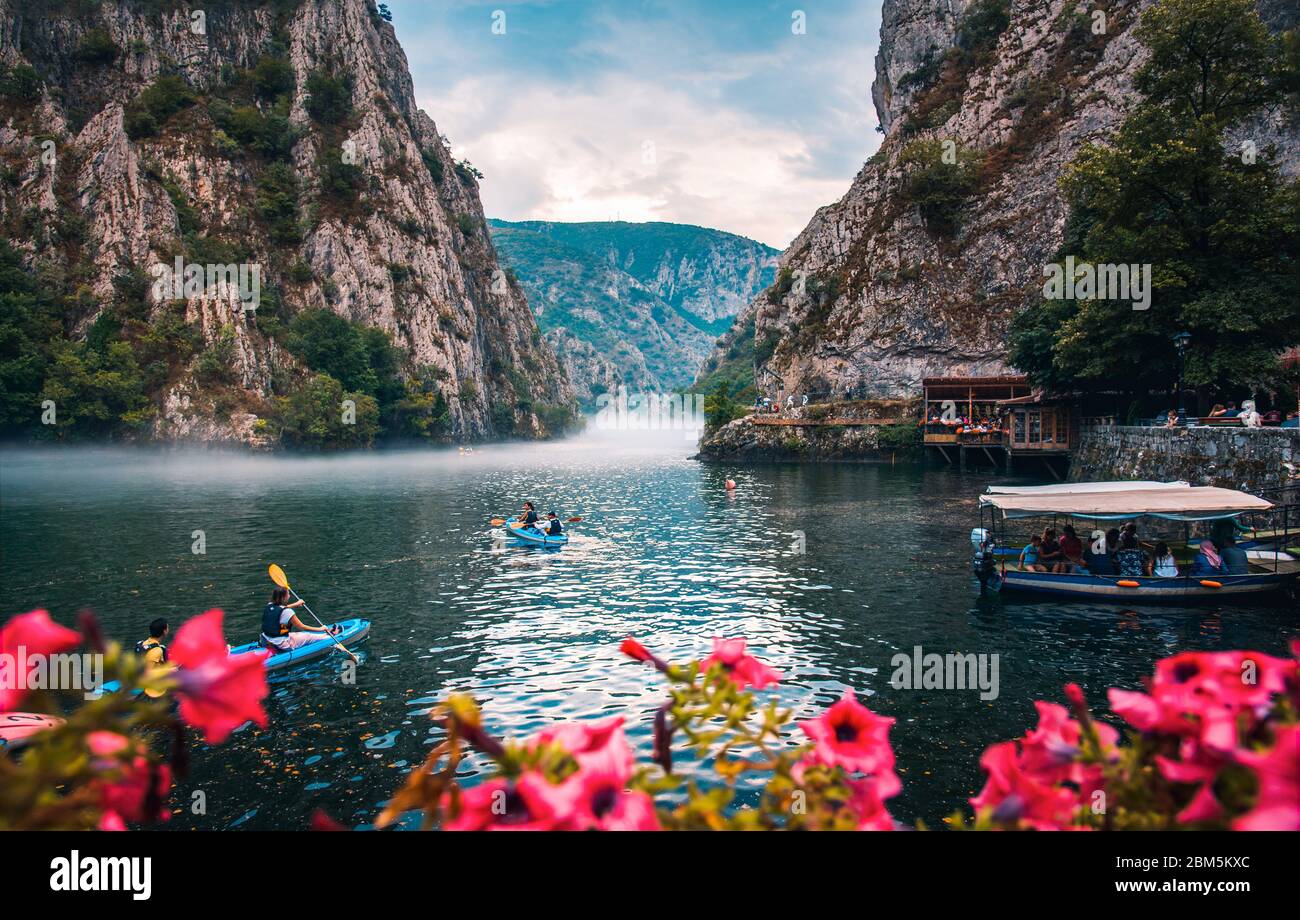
663 553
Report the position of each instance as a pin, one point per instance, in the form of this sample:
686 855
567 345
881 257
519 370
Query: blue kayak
350 633
535 537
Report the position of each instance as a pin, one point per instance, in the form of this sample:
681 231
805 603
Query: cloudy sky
709 112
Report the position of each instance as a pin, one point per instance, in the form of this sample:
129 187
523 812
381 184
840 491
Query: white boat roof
1074 488
1173 501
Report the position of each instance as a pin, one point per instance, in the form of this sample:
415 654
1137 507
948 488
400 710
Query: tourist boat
1273 568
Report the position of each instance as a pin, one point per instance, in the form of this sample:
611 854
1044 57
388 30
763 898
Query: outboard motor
985 563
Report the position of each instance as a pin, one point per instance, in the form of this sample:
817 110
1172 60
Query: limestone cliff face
634 305
412 256
871 298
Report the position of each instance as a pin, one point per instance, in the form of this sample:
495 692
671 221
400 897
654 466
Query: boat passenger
1101 559
1172 420
1049 554
1130 560
1164 565
1232 411
1208 561
1235 560
553 526
1029 555
281 628
1292 420
1071 550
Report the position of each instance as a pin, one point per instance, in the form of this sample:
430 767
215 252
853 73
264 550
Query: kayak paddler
153 650
553 526
528 517
282 631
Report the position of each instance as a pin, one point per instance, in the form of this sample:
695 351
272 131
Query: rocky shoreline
866 431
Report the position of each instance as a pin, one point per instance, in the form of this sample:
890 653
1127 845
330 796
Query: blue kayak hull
536 537
351 632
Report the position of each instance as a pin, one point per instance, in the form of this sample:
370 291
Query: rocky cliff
916 271
634 305
282 136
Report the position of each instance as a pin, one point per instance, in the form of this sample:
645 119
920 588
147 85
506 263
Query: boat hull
536 537
1179 590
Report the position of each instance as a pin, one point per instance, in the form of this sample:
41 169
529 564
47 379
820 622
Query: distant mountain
635 304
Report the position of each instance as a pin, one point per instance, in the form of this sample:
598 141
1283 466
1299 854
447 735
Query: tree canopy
1215 220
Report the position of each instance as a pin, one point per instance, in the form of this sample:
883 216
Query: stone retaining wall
1236 458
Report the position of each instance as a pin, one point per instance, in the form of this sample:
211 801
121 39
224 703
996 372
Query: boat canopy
1074 488
1172 501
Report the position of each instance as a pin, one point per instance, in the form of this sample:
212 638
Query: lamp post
1180 342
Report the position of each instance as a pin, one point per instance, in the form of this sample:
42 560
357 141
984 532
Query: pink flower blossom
596 746
868 803
1051 750
1211 696
130 787
1017 796
744 670
1277 771
596 799
218 692
31 634
526 804
851 736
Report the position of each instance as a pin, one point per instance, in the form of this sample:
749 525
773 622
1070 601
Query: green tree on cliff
1215 220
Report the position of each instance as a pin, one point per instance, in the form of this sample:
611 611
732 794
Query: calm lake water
664 553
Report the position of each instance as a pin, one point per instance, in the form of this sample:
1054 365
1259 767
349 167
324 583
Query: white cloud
631 150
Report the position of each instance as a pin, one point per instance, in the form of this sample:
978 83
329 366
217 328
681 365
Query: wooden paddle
278 576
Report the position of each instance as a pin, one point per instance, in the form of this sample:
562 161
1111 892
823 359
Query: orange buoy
731 485
1206 583
1130 584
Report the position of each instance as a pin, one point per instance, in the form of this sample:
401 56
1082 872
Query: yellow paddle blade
277 575
497 522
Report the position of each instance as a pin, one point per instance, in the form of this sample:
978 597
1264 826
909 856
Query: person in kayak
528 517
553 526
281 628
153 650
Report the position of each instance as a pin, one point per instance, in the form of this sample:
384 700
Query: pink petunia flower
1207 695
218 692
1017 796
1051 750
138 790
596 746
526 804
596 799
744 670
1277 804
868 803
851 736
30 634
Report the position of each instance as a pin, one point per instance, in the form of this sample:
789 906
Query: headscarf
1211 556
